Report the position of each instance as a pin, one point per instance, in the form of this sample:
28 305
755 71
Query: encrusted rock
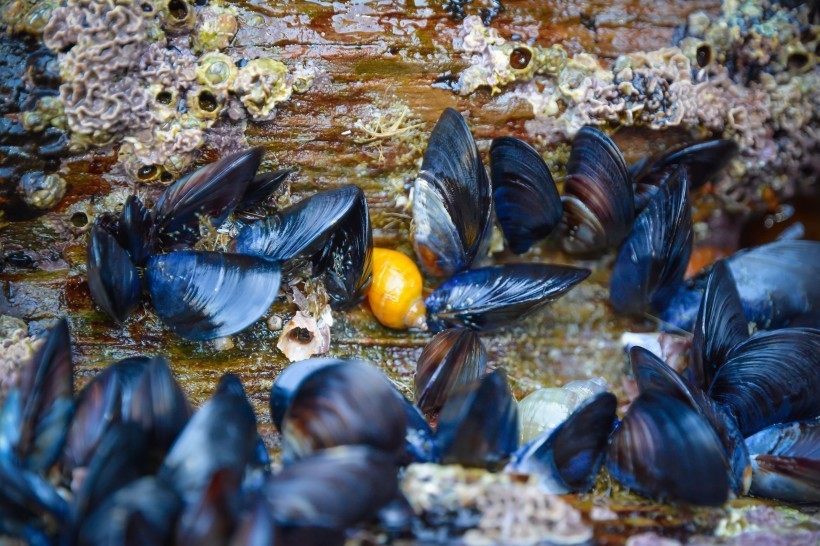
261 85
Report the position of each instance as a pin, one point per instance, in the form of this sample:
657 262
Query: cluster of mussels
745 404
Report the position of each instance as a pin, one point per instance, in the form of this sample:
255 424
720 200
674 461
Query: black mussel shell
211 519
598 201
527 203
720 326
345 263
650 265
288 382
453 359
653 375
345 404
36 412
159 406
260 461
568 458
478 426
771 378
646 453
205 295
701 160
227 419
143 512
212 191
256 526
301 230
776 282
333 488
113 279
786 461
452 199
261 188
136 230
419 441
492 297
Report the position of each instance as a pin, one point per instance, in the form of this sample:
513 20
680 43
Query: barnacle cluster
749 75
503 509
149 75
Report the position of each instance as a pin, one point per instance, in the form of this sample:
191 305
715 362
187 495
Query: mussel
113 279
527 203
651 262
786 461
598 199
645 452
653 375
136 230
773 377
331 229
775 281
720 326
453 359
349 403
478 426
568 458
492 297
213 191
452 200
701 160
260 189
205 295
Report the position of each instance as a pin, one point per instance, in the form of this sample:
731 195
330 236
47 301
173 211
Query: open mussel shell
142 512
212 191
478 426
649 267
261 188
331 228
598 200
205 295
136 230
346 261
113 279
345 404
568 458
653 375
453 359
334 488
776 282
452 199
771 378
301 230
35 415
786 461
227 419
701 160
720 326
527 203
645 453
492 297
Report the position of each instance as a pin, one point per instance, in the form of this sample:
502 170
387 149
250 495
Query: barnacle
16 348
261 85
216 70
178 16
215 28
40 190
206 104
